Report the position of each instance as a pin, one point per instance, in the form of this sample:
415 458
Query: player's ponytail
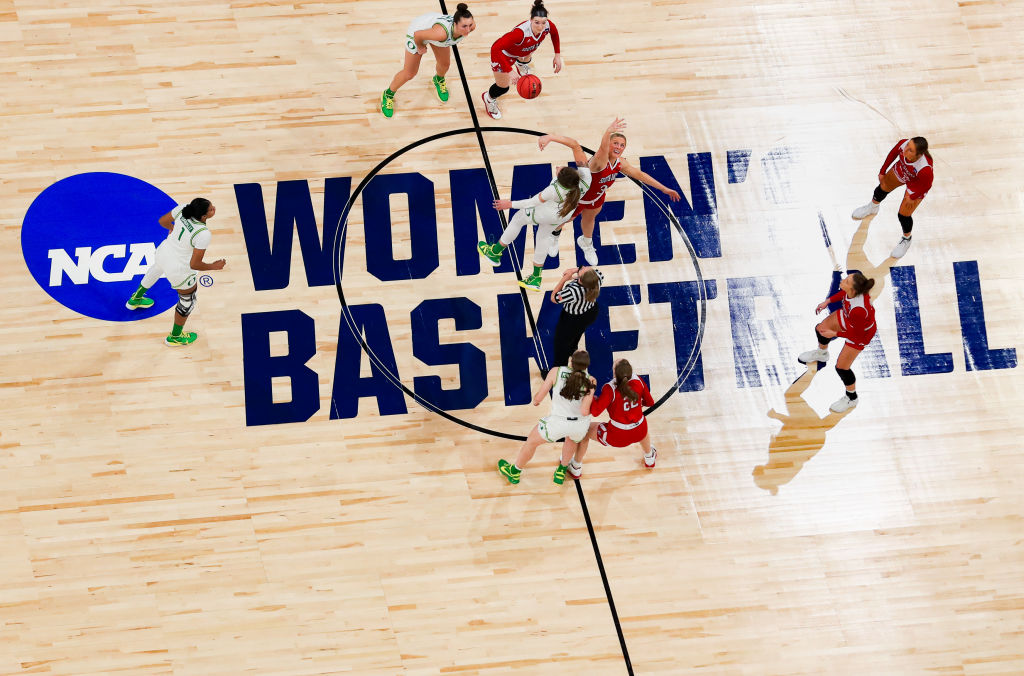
591 284
196 209
461 12
861 284
921 143
577 385
623 374
538 9
569 179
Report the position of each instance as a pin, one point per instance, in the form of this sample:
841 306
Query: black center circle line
339 239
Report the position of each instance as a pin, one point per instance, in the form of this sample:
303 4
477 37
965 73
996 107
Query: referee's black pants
568 332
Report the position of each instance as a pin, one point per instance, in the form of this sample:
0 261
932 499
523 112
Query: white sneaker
901 249
571 471
589 252
813 355
868 209
553 249
843 404
649 460
491 106
523 68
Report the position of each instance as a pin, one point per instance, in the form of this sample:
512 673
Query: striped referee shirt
573 297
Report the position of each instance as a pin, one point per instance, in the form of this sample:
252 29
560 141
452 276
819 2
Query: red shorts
581 207
610 435
500 61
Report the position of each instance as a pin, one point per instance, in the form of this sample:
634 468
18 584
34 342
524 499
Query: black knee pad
822 340
907 223
879 194
846 375
186 303
497 91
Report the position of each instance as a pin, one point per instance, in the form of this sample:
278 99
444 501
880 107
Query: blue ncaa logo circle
88 239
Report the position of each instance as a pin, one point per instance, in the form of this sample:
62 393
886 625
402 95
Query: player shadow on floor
856 259
803 431
801 437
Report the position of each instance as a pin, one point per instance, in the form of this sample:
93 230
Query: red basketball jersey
601 181
621 409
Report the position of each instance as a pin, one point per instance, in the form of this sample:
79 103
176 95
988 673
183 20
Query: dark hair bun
538 3
461 7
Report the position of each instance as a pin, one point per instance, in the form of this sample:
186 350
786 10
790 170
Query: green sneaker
488 252
560 475
509 471
532 283
139 303
441 87
387 104
185 338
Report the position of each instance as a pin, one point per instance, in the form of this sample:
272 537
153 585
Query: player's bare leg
588 219
443 55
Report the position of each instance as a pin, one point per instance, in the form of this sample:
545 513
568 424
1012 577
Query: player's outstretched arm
600 158
577 150
645 178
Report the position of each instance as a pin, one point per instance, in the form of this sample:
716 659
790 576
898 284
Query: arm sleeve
601 403
507 42
836 297
645 395
531 202
555 42
892 155
921 184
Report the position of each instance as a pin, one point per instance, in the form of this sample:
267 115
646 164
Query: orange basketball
529 86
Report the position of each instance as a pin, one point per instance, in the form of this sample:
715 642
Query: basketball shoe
491 106
509 471
559 477
182 339
532 283
491 252
649 460
441 87
869 209
523 67
141 303
574 470
901 249
589 252
844 404
813 356
387 103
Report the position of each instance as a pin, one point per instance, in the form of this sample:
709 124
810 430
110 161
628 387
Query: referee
576 292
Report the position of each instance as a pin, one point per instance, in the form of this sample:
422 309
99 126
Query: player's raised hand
501 205
618 125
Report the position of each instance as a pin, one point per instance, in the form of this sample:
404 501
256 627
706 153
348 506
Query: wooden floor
146 528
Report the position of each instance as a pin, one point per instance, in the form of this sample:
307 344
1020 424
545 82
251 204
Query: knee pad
907 223
846 375
186 303
822 340
879 194
497 91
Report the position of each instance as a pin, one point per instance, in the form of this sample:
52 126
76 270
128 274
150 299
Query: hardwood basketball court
160 514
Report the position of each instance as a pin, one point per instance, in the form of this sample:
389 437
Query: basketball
529 86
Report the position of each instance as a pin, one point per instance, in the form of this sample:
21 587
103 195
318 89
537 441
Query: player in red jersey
515 50
854 321
908 163
604 169
624 398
